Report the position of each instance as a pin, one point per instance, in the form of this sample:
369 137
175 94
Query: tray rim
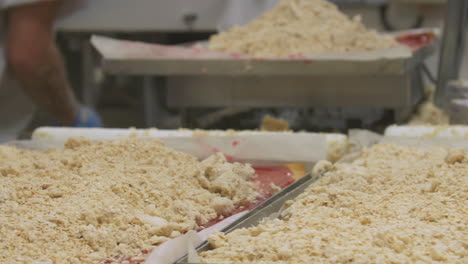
269 67
266 208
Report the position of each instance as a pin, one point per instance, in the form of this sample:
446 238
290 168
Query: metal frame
397 92
139 16
452 47
298 91
392 83
305 84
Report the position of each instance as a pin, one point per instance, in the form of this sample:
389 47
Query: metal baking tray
389 79
268 209
138 58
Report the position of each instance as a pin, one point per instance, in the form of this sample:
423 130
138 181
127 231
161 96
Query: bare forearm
49 89
35 61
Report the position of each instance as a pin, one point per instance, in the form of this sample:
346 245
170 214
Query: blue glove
87 117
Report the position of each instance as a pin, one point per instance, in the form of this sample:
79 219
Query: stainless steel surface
140 16
267 209
90 88
253 67
383 91
149 101
456 90
155 114
381 80
400 93
211 118
452 46
250 67
161 15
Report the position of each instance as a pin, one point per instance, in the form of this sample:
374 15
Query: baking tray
272 204
269 208
360 139
138 58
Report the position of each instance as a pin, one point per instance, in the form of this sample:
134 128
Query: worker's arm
35 61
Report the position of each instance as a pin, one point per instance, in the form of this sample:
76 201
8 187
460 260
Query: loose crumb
114 200
275 188
270 123
301 27
429 114
394 204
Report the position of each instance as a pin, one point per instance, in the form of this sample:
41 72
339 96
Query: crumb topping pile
92 201
394 204
301 27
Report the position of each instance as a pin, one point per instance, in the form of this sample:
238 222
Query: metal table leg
149 101
452 47
155 113
184 118
89 85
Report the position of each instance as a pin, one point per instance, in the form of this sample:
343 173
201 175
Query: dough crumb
94 201
301 27
321 167
270 123
429 114
455 156
275 188
394 204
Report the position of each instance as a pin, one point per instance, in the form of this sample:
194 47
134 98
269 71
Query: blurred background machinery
126 101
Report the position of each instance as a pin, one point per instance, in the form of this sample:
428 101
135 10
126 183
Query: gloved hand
87 117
